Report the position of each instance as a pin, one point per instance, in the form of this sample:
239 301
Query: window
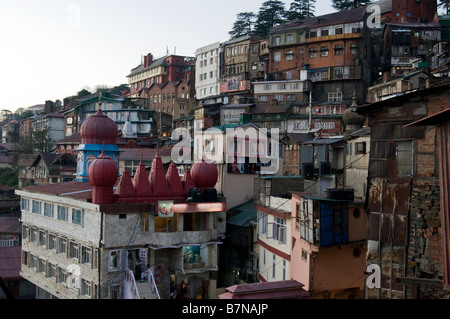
339 49
34 234
276 40
353 48
77 216
25 204
304 222
324 32
324 51
48 210
86 255
52 241
404 158
338 31
62 245
264 222
86 287
114 260
51 271
74 250
36 208
62 213
279 230
312 52
289 55
144 222
267 87
62 276
284 269
289 38
41 265
277 57
274 263
361 148
25 232
42 238
335 97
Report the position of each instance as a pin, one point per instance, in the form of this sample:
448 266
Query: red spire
157 178
174 181
125 189
141 183
187 182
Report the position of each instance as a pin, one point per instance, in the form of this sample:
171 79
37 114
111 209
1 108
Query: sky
52 49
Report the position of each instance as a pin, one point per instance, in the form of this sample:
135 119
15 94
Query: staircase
145 290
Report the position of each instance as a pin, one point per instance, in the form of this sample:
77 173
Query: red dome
204 174
99 129
103 172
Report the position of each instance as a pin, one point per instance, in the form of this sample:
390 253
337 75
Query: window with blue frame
333 223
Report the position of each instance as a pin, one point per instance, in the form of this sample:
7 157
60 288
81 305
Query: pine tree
342 5
301 9
243 25
270 14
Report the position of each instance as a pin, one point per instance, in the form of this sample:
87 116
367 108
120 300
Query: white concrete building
207 68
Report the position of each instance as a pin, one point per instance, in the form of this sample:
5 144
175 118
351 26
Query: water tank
210 195
325 168
308 170
195 194
341 194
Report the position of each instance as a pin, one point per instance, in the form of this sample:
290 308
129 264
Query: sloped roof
155 63
286 289
10 225
340 17
10 263
243 214
73 189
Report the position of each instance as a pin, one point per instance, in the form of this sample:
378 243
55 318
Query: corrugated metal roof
243 214
10 225
10 262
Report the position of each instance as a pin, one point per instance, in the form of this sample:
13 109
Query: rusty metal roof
73 189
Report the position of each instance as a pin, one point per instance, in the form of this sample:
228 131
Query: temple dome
99 129
204 174
103 172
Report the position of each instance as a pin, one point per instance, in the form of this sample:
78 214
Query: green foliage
342 5
301 9
9 177
243 25
270 14
41 141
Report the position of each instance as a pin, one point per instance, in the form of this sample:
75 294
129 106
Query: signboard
166 209
200 208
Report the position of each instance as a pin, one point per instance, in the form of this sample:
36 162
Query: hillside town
311 163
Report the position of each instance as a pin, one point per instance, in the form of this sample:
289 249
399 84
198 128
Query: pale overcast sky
52 49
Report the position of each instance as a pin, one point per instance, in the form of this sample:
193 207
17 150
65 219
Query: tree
243 25
270 14
342 5
445 5
301 9
42 143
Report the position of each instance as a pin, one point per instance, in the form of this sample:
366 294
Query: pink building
328 244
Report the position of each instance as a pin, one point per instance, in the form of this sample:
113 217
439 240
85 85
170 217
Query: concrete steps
145 291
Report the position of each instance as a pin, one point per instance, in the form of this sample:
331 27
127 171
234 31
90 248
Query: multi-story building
208 70
174 98
120 109
238 61
333 48
86 240
407 221
53 123
329 244
170 68
404 43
